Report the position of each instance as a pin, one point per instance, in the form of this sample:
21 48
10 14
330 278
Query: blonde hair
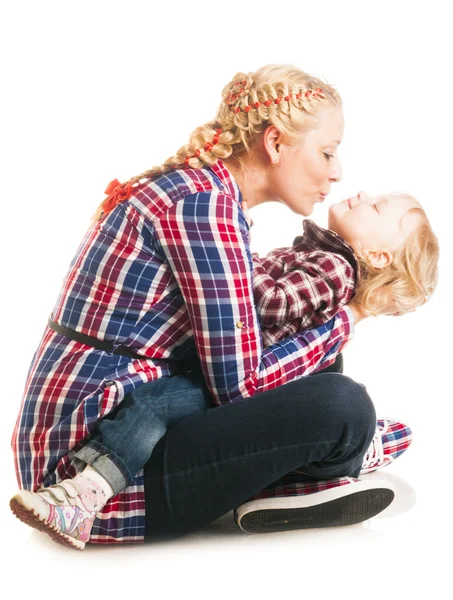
279 95
409 280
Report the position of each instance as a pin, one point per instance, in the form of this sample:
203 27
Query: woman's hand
357 311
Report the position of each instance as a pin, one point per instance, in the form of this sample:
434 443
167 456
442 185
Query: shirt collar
226 179
318 238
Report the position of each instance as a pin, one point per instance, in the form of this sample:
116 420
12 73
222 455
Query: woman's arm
358 313
205 239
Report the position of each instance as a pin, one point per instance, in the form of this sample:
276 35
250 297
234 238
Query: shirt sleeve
205 239
296 290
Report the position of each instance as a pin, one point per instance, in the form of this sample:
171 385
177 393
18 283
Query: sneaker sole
28 516
282 514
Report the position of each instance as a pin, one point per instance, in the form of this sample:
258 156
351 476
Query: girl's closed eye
328 156
376 208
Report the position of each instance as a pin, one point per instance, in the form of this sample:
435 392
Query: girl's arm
310 286
205 239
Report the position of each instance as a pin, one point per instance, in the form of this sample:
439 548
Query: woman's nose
337 171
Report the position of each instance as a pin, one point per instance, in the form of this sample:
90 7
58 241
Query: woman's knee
350 401
330 401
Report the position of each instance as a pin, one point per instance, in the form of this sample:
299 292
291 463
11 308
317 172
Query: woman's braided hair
279 95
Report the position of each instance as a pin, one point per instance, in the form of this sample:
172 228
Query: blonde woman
162 280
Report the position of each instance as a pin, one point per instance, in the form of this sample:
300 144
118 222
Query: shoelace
375 453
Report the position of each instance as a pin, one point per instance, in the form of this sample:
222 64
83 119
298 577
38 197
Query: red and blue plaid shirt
168 273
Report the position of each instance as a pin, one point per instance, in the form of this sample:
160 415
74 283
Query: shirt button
240 324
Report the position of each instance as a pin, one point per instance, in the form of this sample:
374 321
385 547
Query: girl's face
305 171
376 224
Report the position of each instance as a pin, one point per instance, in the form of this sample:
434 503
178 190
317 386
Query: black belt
91 341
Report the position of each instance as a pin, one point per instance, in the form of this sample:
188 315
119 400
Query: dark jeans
213 461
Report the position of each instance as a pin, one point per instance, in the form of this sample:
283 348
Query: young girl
384 244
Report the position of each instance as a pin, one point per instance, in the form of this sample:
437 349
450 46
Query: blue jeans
124 440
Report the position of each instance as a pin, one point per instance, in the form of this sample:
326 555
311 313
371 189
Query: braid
283 96
198 152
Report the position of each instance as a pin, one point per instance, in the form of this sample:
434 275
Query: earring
275 163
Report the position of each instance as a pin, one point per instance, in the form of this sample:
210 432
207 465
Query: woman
119 323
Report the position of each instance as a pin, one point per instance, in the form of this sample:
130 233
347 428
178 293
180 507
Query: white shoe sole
26 513
339 506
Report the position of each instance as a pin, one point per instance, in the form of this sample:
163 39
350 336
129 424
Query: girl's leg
109 461
210 463
125 439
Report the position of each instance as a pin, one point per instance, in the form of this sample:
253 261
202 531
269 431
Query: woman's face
305 171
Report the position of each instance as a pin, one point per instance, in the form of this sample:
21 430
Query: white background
93 91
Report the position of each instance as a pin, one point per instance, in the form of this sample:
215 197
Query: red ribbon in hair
117 192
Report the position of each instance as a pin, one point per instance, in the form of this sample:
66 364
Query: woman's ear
379 258
272 138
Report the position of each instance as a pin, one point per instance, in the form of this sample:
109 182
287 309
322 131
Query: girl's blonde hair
279 95
409 280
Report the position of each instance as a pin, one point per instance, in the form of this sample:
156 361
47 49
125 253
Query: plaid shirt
303 286
168 273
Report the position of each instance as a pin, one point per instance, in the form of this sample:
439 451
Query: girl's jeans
125 439
212 461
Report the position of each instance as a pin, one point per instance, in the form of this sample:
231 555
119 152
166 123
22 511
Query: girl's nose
363 196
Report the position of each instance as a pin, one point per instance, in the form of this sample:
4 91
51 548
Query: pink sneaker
66 511
295 505
390 441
